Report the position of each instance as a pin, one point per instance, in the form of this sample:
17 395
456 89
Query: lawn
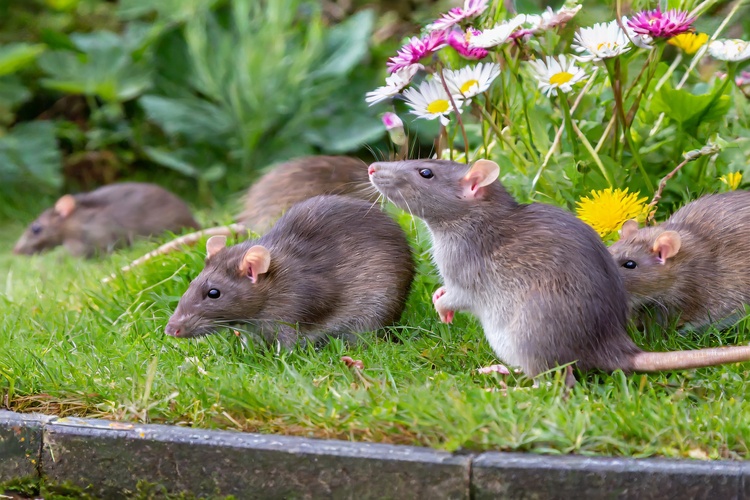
75 346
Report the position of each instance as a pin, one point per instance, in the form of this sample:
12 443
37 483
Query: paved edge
108 459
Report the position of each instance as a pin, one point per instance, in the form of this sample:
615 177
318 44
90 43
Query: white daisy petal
497 35
431 101
642 41
393 84
601 41
729 50
471 81
557 75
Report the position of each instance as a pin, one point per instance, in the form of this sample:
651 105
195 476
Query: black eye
36 228
213 293
426 173
629 264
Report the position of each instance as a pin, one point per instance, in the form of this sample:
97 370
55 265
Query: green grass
71 345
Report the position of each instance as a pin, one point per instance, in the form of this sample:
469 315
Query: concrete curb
108 459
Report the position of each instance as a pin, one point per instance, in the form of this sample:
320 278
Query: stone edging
107 459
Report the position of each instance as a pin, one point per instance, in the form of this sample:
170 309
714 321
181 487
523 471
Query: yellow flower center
689 42
438 106
560 78
468 85
607 45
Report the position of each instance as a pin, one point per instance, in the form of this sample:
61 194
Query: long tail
684 360
186 240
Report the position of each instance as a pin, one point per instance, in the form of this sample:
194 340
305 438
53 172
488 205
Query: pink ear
482 173
215 244
255 262
667 245
629 228
65 205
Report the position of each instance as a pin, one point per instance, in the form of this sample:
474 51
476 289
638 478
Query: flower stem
593 154
458 117
568 119
499 134
526 138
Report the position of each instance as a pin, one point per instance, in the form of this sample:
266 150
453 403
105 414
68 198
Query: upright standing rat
695 266
277 190
331 265
106 218
539 280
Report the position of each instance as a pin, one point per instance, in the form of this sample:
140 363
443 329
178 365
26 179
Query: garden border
108 458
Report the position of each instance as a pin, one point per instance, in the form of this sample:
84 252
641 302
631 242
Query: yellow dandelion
606 210
689 42
732 180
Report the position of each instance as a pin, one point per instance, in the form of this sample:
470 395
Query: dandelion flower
496 35
471 8
557 75
393 84
471 81
689 42
601 41
460 42
431 101
729 50
551 19
415 50
608 209
658 24
732 180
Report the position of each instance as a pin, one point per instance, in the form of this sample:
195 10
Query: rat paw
501 369
446 315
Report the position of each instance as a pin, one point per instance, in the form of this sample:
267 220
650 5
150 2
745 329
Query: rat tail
186 240
683 360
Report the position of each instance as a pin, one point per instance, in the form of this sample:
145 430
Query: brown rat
540 281
695 266
106 218
297 180
277 190
331 265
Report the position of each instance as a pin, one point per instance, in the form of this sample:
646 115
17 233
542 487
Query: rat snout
176 327
372 169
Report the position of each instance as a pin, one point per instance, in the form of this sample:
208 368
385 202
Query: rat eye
36 228
629 264
213 293
426 173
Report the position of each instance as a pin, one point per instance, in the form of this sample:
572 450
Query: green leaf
12 93
346 44
30 149
691 110
170 160
15 56
196 119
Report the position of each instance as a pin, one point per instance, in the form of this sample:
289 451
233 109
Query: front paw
446 315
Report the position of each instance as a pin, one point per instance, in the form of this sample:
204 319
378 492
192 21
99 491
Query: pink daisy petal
457 40
416 49
658 24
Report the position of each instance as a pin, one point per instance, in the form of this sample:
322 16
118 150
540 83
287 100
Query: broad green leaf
170 160
346 44
12 93
690 110
196 119
30 149
18 55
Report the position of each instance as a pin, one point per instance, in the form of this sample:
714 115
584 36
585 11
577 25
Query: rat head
48 231
435 190
647 259
232 288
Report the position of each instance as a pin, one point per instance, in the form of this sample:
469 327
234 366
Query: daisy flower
732 180
729 50
601 41
530 25
658 24
496 35
430 101
471 81
642 41
415 50
460 41
552 19
393 84
689 42
557 76
608 209
471 8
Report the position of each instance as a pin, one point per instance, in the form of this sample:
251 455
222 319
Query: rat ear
629 228
65 205
214 244
255 262
482 173
667 245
